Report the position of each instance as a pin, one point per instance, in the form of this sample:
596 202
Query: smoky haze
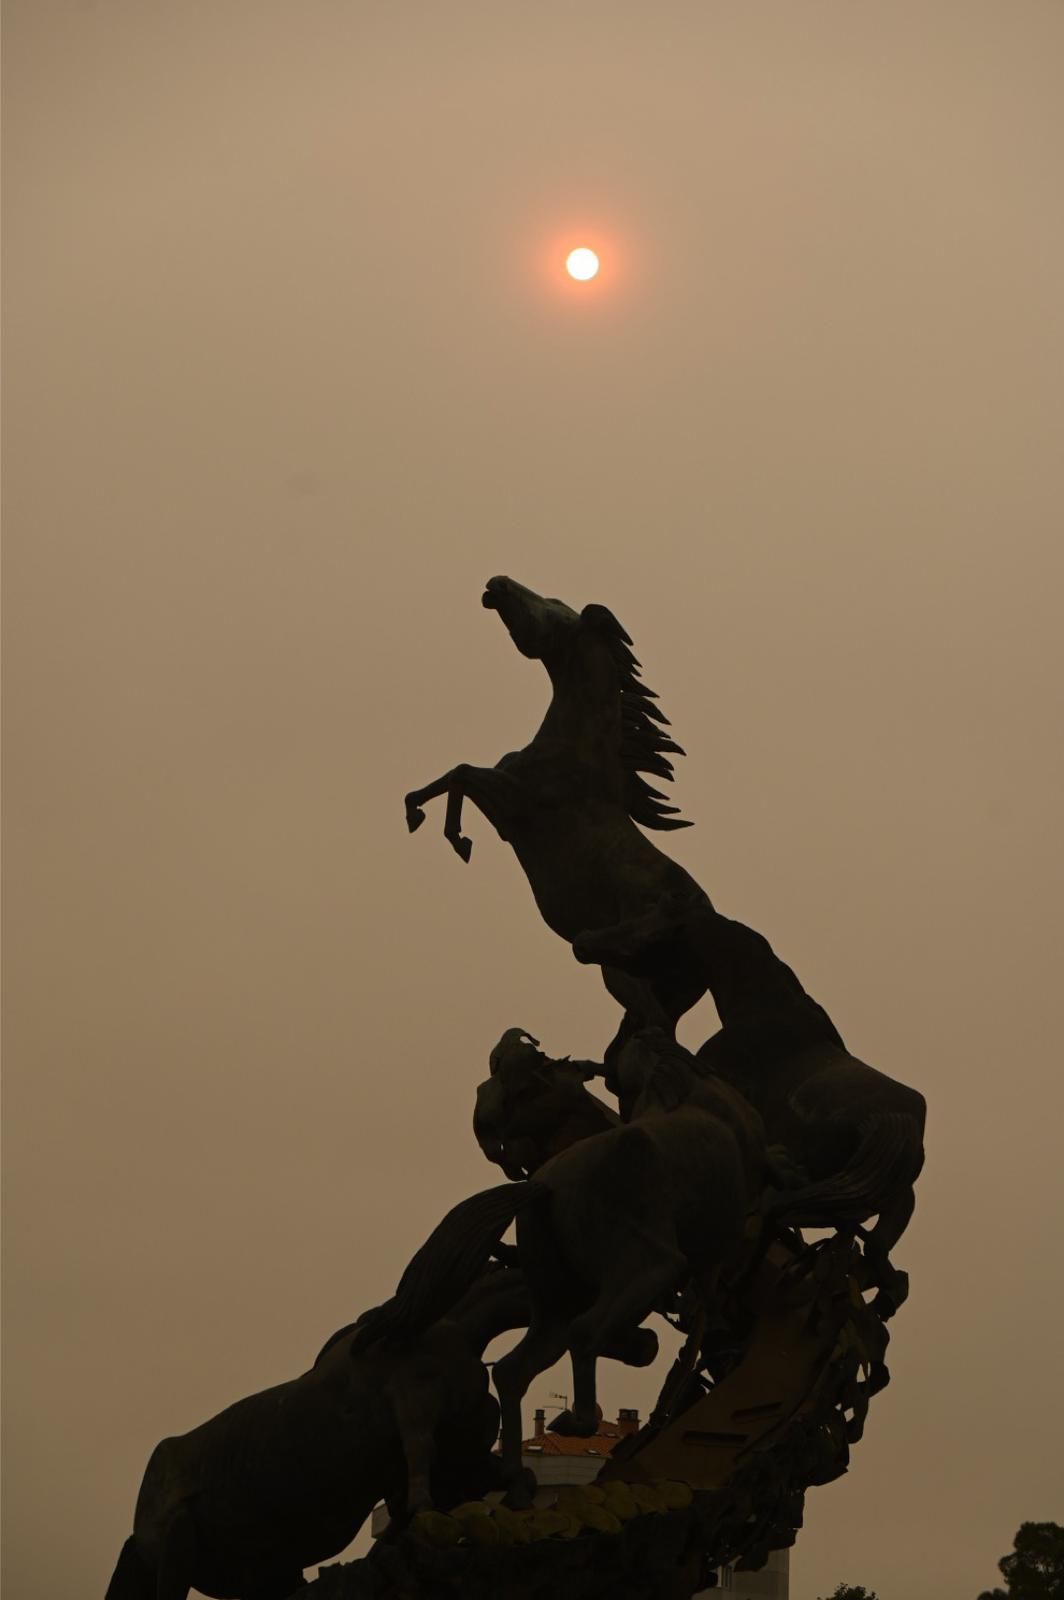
291 370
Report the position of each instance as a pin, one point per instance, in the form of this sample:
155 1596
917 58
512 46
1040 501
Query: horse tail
452 1257
888 1157
132 1579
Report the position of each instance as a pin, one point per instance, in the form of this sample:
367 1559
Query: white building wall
771 1583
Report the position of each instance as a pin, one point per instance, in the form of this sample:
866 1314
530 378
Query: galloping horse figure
856 1134
569 802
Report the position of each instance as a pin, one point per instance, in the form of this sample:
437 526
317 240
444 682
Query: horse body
587 867
284 1479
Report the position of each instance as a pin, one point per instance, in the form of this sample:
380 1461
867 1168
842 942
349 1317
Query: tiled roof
557 1444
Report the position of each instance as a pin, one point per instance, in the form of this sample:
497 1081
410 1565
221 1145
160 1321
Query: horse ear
602 617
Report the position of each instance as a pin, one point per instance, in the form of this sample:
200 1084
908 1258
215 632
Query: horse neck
727 963
584 716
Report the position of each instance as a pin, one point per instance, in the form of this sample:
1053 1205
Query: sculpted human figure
531 1107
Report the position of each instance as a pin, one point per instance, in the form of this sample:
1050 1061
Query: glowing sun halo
582 264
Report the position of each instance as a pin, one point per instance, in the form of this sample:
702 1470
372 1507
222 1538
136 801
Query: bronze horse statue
855 1135
284 1479
570 801
532 1107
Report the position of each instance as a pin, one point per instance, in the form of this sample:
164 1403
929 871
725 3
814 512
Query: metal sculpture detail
687 1201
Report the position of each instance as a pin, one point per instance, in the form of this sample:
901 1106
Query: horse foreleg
452 825
418 1412
543 1345
491 791
626 1297
417 798
450 785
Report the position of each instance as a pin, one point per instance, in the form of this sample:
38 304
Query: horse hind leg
280 1587
581 1421
133 1578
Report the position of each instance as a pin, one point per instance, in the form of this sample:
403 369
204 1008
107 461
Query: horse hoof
414 818
573 1426
464 848
891 1297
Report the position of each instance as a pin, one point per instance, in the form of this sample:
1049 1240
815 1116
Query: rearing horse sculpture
569 802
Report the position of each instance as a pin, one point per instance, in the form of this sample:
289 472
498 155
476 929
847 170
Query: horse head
588 646
541 629
610 710
523 1107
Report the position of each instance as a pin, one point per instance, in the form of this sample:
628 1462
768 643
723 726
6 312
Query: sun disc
582 264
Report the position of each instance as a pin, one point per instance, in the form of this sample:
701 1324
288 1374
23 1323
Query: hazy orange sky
291 368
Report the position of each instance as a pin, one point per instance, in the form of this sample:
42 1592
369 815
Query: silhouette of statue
569 802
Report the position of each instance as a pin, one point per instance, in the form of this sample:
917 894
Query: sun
582 264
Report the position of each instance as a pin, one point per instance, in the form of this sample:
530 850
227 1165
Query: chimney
540 1420
628 1421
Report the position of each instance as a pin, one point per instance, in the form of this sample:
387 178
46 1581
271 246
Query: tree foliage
852 1591
1035 1569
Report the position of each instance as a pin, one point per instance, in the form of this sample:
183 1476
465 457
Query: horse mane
645 747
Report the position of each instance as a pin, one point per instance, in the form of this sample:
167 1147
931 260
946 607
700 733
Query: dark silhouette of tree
1035 1569
852 1591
